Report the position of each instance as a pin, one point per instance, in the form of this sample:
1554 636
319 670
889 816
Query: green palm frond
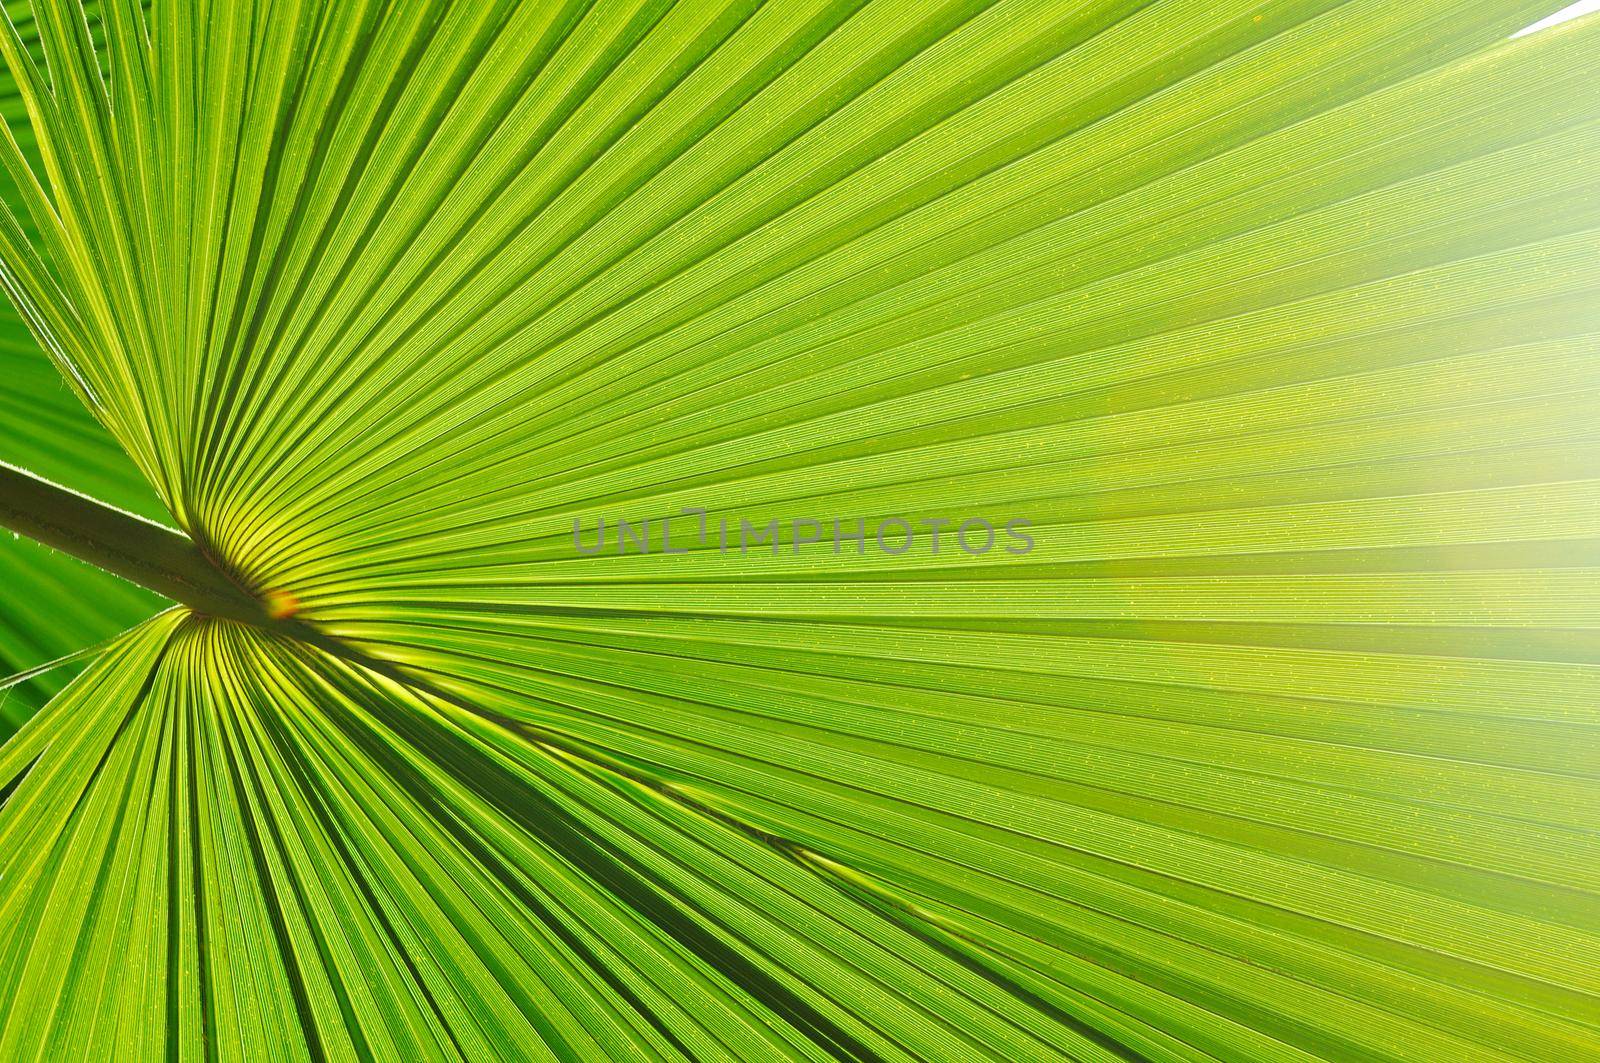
53 607
1271 736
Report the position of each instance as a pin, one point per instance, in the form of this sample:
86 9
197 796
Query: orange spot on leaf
281 604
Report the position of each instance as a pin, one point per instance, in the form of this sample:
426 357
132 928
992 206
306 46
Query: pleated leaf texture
1273 735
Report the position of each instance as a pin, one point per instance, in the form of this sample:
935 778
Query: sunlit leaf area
750 530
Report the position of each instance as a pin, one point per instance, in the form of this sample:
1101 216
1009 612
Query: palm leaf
54 606
1276 322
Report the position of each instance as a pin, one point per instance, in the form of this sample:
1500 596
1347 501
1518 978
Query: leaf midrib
141 551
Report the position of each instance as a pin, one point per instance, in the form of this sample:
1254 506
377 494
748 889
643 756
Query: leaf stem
140 551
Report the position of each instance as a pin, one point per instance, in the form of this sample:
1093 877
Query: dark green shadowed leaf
52 605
